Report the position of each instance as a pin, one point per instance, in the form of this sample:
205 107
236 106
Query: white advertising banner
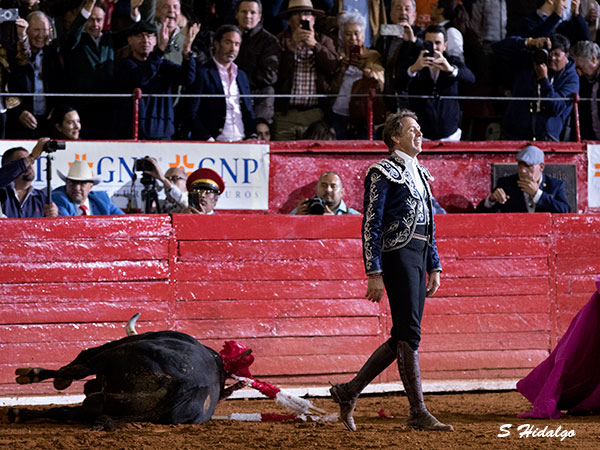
593 176
243 167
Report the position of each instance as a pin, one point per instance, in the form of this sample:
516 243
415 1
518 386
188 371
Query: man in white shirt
231 117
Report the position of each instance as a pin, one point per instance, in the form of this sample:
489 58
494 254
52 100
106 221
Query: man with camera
75 197
173 180
542 69
204 187
328 200
434 72
17 196
307 65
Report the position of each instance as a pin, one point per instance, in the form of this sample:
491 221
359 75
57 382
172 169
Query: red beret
205 179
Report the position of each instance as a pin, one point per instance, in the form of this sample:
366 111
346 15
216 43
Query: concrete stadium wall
291 288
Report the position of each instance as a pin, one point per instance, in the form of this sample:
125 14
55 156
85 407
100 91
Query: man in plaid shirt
306 67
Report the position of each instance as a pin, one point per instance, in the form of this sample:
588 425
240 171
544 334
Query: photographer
17 196
328 199
543 69
174 182
204 187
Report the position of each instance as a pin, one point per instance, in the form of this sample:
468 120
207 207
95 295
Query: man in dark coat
438 74
530 190
148 70
229 118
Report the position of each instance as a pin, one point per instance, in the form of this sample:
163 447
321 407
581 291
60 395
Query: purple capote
569 379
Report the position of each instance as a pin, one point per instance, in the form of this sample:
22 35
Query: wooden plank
492 267
108 291
84 312
82 250
519 340
574 224
492 225
266 309
83 271
477 247
251 227
270 290
572 303
271 270
484 323
498 284
267 250
495 359
243 328
579 245
578 265
488 304
92 227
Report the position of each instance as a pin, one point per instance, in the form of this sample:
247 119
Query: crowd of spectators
305 61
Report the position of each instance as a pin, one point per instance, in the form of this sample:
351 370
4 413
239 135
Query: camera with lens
9 15
52 146
541 56
316 206
142 165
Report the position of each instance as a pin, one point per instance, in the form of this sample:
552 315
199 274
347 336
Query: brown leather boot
408 366
346 394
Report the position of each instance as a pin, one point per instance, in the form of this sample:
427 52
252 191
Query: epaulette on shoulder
390 170
426 172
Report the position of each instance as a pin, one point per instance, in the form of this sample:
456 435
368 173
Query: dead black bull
163 377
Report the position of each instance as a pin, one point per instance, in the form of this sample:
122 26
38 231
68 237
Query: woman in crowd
360 70
64 123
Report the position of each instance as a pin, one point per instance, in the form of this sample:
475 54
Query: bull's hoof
61 383
28 375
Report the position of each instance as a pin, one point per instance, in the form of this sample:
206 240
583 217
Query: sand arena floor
477 418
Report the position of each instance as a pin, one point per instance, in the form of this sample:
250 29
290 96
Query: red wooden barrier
291 288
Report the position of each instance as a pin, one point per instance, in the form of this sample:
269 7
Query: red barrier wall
462 170
291 288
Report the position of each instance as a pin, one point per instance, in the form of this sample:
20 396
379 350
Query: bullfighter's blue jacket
392 211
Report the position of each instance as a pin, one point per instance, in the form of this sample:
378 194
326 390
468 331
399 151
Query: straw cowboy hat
299 6
79 171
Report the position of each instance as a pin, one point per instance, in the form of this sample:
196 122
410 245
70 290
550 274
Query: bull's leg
62 377
61 414
28 375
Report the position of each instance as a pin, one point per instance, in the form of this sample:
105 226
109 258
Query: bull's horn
131 325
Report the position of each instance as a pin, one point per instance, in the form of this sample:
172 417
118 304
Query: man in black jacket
258 57
438 75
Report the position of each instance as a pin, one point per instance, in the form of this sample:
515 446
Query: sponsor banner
593 176
244 168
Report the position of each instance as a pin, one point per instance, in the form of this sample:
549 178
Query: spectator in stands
359 69
263 131
329 199
589 10
587 64
204 187
174 183
36 69
319 131
437 75
442 14
89 53
394 50
64 123
488 21
18 198
551 17
552 76
229 118
146 69
374 10
76 198
258 56
306 67
530 190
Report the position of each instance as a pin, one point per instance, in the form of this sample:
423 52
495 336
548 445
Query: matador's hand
375 289
433 283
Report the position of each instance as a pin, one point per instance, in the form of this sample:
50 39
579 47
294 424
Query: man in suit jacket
229 118
438 75
75 197
529 190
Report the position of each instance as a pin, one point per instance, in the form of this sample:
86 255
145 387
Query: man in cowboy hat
75 197
204 187
18 198
307 65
